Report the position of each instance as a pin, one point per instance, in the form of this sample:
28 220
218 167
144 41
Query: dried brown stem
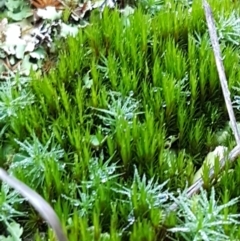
220 69
199 183
44 209
222 77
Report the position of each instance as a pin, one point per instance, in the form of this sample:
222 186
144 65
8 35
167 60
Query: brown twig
199 183
44 209
223 80
220 69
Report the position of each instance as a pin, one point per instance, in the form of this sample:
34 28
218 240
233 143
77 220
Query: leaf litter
28 30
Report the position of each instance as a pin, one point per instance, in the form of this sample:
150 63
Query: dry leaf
46 3
3 25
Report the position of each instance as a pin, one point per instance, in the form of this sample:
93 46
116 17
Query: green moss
133 87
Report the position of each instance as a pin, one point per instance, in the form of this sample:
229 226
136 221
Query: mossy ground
129 92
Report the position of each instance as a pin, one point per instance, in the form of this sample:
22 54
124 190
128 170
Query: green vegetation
115 131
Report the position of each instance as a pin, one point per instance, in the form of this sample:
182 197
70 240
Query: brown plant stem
44 209
195 188
235 152
220 69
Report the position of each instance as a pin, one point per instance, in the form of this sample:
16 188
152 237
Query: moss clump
141 92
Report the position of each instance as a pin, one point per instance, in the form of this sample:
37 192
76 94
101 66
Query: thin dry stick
220 68
199 183
44 209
